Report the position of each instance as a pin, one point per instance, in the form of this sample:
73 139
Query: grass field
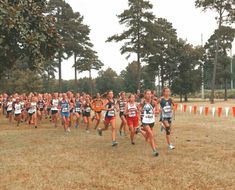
46 158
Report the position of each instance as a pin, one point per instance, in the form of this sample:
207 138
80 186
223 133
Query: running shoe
155 153
137 130
114 143
171 147
99 132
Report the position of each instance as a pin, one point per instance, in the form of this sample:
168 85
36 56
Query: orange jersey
97 105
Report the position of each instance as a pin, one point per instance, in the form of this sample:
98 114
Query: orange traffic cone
219 111
176 107
233 111
206 111
185 108
194 109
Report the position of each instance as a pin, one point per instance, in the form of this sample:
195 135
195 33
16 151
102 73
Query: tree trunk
162 77
60 74
225 89
138 51
186 98
91 91
75 75
181 97
75 70
212 99
139 72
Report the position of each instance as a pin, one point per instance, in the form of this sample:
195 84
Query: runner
32 111
64 105
9 108
23 109
78 110
148 108
87 114
122 103
97 106
48 106
72 106
132 118
5 99
54 109
166 106
17 111
110 118
40 105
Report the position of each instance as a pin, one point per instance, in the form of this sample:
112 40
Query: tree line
37 35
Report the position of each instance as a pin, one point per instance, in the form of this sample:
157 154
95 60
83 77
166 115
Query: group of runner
137 112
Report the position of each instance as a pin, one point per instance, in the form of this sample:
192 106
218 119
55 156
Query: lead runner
148 108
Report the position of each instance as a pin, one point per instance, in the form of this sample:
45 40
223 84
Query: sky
100 15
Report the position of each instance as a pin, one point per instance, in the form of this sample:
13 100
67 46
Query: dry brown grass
45 158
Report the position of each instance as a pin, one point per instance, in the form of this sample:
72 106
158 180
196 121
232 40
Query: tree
226 36
88 61
80 40
148 78
109 80
137 19
129 75
162 51
63 15
188 75
27 34
225 11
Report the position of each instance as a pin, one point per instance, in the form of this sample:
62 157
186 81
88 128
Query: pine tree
137 20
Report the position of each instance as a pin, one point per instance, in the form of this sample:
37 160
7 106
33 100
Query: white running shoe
69 129
171 147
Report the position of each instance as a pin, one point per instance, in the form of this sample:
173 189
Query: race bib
88 109
111 113
148 118
64 109
132 114
167 109
77 109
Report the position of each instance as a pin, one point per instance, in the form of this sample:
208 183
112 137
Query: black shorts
151 125
79 112
53 112
8 112
17 115
121 114
31 114
98 112
166 119
48 109
41 109
86 114
71 111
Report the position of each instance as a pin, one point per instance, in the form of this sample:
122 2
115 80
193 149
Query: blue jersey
78 106
64 106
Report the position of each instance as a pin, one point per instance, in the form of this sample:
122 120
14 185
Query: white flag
213 111
201 110
190 109
181 107
227 111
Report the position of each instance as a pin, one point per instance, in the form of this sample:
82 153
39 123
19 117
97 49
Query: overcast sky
100 15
